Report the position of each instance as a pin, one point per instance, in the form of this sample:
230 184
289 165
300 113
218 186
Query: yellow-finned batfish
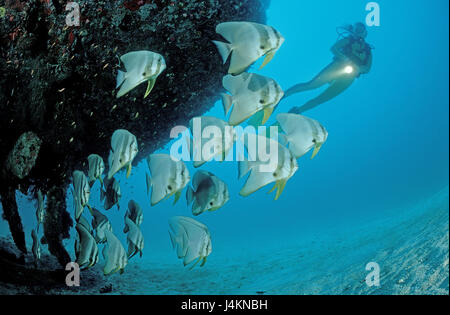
86 249
124 149
96 168
135 214
111 194
280 166
217 135
247 42
302 134
40 211
250 94
114 255
135 238
100 224
191 239
36 248
168 177
141 66
209 193
81 193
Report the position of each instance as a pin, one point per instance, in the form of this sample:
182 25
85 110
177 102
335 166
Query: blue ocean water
387 152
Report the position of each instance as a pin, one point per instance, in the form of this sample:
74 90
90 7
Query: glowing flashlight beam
348 69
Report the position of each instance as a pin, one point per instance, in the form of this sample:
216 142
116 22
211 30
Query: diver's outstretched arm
338 47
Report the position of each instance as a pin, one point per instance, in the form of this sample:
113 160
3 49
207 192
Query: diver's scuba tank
357 45
344 31
348 30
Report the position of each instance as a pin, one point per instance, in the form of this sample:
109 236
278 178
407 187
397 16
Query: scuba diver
352 57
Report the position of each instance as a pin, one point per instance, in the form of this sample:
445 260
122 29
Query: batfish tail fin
224 50
227 101
189 195
120 78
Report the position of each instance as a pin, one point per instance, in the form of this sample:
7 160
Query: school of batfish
249 94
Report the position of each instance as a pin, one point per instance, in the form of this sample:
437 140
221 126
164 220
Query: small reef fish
209 193
81 193
36 248
96 168
141 66
114 255
168 177
135 238
100 224
111 194
191 239
40 211
250 94
86 249
134 213
302 134
221 139
247 42
124 149
264 173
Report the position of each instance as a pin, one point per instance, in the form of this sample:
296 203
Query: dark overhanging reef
57 84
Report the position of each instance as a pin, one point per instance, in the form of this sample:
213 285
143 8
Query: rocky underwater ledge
57 94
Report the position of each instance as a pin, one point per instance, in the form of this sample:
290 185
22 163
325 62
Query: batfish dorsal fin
135 59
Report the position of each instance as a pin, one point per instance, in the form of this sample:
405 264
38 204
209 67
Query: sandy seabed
411 248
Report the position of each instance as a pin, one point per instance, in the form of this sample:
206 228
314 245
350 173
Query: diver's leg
336 88
327 75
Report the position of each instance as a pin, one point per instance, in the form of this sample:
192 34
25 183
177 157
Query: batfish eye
144 74
261 101
169 187
275 174
211 203
262 47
